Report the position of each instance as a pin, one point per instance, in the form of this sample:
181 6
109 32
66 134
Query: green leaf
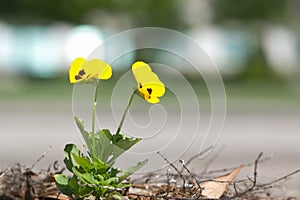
85 191
120 144
78 174
83 162
131 170
125 143
64 184
86 135
109 147
116 196
61 179
107 134
99 177
80 124
114 171
103 142
73 183
122 185
69 151
100 166
108 182
89 178
85 178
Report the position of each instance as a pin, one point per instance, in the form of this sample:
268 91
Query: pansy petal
106 74
148 97
140 65
87 71
157 89
149 85
74 69
153 100
141 71
96 68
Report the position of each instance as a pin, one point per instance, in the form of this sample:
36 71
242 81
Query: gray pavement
28 129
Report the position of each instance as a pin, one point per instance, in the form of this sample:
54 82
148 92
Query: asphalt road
29 128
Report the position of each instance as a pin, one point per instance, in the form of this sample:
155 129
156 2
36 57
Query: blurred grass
238 93
30 89
262 96
263 91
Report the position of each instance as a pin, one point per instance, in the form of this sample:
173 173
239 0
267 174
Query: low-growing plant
92 171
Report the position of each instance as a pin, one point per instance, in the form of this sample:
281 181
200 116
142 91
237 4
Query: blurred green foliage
249 10
258 69
254 15
251 14
20 11
142 13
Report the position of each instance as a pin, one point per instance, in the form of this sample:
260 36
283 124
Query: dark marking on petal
149 90
77 77
81 72
140 85
88 76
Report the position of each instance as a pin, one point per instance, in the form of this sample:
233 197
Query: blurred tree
249 10
159 13
254 15
36 11
142 13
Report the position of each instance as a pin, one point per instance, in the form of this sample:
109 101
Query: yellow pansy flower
149 85
87 71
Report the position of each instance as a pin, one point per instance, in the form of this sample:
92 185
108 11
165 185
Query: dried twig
171 164
245 165
197 182
253 181
280 179
197 156
255 170
211 160
40 158
241 190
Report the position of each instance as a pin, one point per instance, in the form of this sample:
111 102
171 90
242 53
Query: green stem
93 118
125 112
